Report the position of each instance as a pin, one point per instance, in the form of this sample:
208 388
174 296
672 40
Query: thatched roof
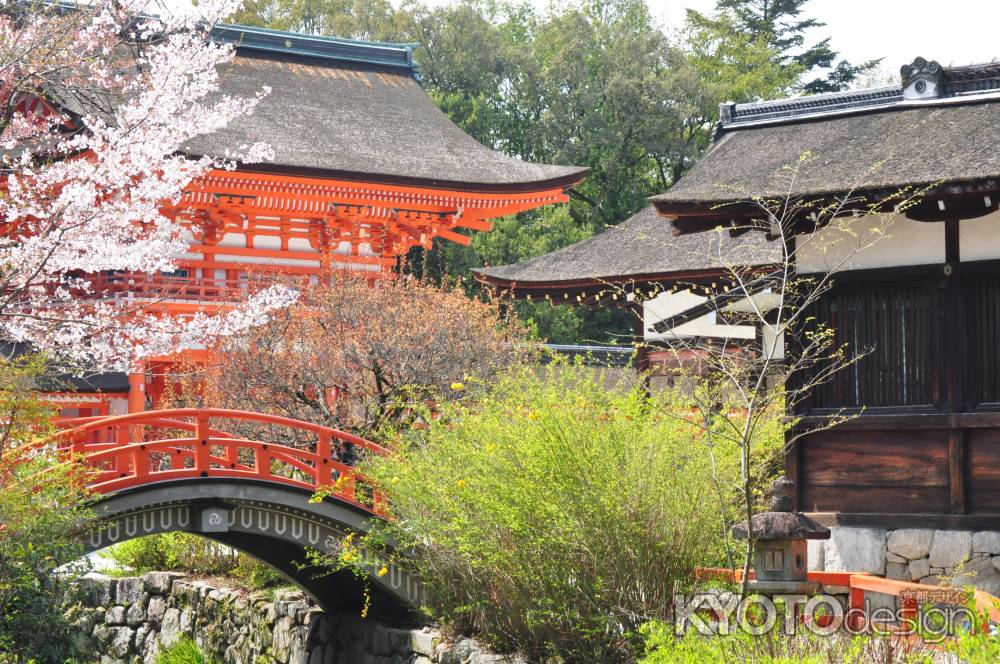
344 109
355 110
939 127
642 249
883 150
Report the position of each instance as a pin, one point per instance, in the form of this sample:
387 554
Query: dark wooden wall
941 470
925 441
878 471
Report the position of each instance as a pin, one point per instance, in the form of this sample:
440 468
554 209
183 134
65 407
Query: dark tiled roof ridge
794 107
922 82
334 49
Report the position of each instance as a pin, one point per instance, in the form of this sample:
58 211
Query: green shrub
140 555
255 574
185 552
42 518
185 651
555 515
664 647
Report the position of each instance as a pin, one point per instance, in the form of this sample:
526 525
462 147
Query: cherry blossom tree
96 104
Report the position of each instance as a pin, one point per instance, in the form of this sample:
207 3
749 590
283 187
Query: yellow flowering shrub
555 514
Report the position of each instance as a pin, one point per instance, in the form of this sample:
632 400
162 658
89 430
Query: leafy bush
42 515
664 647
184 552
555 515
342 358
185 651
255 574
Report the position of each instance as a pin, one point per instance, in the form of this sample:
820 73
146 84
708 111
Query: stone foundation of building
928 556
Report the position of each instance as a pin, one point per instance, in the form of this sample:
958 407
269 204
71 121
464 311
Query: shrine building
917 460
365 167
642 266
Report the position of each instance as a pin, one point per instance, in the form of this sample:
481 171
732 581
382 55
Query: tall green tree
784 27
352 19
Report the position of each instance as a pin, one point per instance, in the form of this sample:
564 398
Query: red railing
132 450
911 596
144 286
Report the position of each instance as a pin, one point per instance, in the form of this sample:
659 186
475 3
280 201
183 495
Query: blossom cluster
101 100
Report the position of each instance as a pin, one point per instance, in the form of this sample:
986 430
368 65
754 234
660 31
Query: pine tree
781 23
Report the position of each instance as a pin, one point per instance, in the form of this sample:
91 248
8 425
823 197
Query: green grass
185 651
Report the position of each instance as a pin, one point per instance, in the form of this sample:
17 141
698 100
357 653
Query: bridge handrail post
856 607
201 450
232 454
324 450
140 462
346 485
77 449
380 503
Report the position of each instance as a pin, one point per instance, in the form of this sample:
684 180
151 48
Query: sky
958 32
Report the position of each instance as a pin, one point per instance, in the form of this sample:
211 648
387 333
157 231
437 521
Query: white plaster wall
261 260
233 240
300 244
774 342
862 243
668 304
979 239
266 242
117 406
355 267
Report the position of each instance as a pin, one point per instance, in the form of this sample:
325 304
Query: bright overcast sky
955 32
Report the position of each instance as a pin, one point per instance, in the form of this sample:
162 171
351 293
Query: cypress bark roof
938 127
641 248
355 110
883 150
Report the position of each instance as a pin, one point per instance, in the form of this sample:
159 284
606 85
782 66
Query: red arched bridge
244 479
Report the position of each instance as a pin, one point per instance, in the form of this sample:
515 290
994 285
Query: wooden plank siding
983 471
926 438
875 471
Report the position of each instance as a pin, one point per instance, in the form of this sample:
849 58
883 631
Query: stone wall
130 620
920 555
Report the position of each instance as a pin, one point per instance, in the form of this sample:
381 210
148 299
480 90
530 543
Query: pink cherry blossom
84 179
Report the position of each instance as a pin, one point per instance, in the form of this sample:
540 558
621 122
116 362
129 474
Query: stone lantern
781 556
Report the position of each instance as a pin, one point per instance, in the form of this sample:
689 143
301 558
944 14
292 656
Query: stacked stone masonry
130 620
956 557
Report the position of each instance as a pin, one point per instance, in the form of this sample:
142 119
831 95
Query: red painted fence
181 443
910 595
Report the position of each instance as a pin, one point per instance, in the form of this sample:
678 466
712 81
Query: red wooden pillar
324 452
136 403
137 390
202 451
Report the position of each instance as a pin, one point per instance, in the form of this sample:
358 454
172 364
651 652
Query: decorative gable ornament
922 79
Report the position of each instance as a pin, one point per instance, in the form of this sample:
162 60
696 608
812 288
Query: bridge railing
181 443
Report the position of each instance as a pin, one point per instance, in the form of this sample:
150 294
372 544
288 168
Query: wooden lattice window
982 341
897 329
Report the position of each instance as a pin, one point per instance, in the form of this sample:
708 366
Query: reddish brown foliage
362 353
